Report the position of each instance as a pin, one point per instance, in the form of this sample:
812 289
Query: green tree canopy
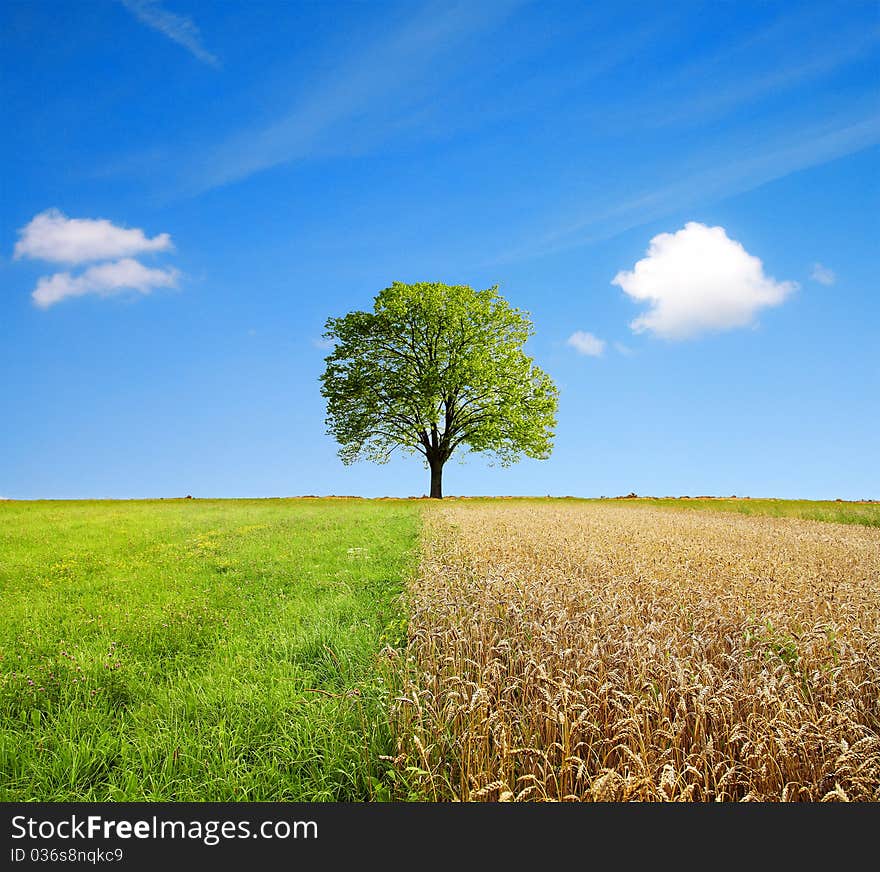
434 368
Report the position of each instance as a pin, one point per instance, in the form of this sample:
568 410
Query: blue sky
211 181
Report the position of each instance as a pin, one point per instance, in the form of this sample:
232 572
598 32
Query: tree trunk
436 479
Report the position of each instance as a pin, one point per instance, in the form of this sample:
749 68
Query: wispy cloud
586 343
780 59
769 84
729 174
368 91
103 280
823 274
54 237
178 28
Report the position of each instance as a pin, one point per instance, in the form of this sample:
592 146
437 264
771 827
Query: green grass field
198 650
208 650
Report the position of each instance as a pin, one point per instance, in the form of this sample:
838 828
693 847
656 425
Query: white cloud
586 343
823 274
53 236
699 280
625 350
178 28
103 280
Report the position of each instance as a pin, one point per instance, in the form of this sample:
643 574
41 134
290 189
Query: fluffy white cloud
53 236
823 275
699 280
104 280
586 343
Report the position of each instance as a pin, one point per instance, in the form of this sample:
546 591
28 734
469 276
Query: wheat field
593 652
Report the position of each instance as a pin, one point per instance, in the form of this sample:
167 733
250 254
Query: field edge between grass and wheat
347 649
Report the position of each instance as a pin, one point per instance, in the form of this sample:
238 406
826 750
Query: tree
433 368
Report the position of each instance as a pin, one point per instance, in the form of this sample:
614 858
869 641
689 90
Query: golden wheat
611 653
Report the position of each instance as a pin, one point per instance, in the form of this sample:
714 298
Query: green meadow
197 649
